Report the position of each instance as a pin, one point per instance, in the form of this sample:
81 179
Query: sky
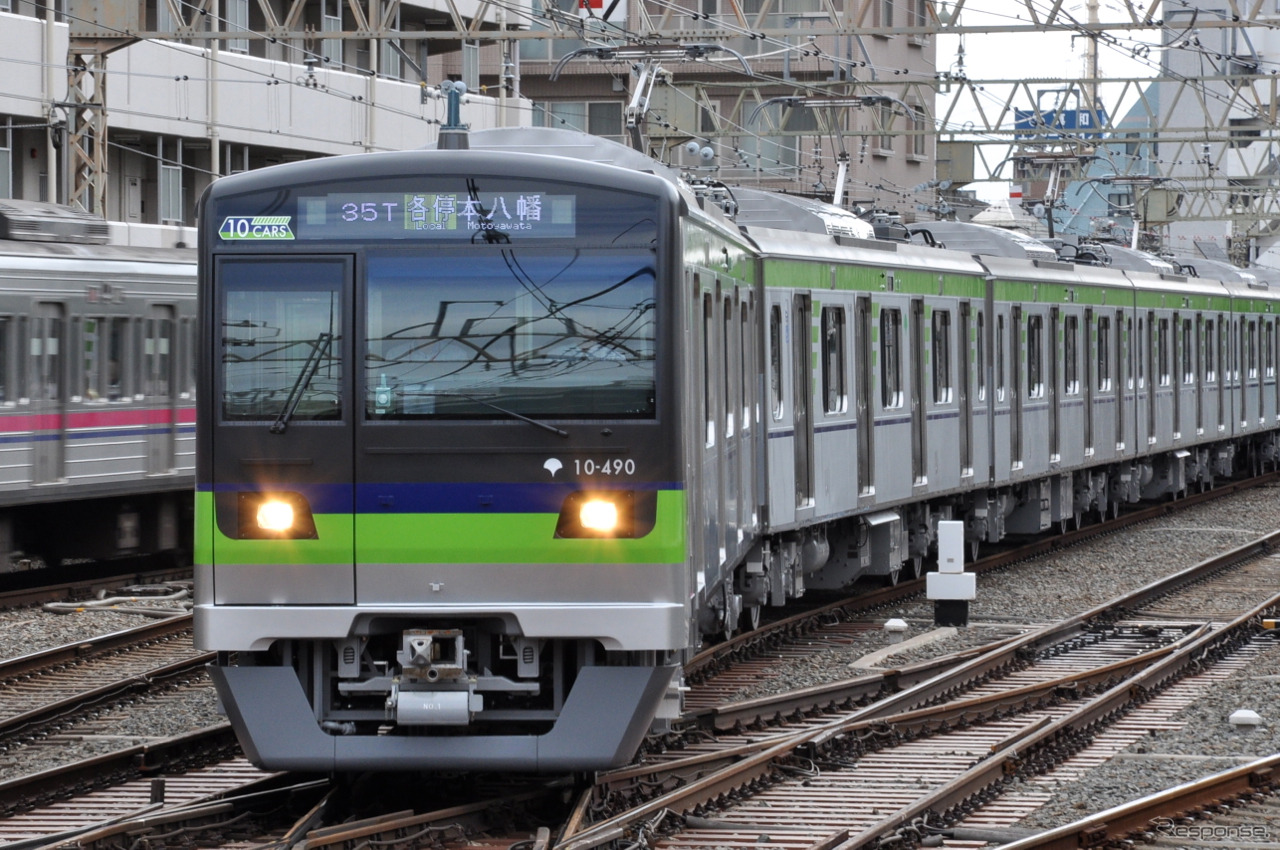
1001 56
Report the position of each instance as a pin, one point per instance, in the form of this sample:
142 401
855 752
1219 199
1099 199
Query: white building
180 114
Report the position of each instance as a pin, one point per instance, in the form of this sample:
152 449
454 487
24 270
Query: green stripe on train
448 539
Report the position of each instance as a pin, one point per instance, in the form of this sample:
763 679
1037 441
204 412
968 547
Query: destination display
427 215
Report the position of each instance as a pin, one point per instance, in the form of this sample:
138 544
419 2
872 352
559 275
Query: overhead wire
522 12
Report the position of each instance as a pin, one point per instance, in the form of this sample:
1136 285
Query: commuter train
492 439
97 391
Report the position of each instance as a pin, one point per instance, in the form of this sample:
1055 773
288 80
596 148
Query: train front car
440 512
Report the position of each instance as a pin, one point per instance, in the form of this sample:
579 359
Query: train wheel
750 619
974 546
892 577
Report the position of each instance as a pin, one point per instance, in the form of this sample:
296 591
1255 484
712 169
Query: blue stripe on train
455 498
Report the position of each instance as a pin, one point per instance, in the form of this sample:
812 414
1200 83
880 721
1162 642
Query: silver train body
97 402
823 398
998 386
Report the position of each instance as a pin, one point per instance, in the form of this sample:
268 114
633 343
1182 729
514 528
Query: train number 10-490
617 466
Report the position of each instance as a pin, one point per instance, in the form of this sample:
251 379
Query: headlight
268 516
609 513
275 515
599 515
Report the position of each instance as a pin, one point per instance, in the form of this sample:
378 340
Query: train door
1122 379
1188 376
1219 346
1090 358
1148 368
747 458
47 384
1271 369
1015 387
1176 376
1255 367
283 429
1233 395
730 485
1201 375
918 412
802 372
1056 351
863 404
966 405
157 381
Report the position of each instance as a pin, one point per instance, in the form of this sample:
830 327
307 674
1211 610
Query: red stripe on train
96 419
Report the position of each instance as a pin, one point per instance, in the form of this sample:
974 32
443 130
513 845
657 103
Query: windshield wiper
319 349
545 426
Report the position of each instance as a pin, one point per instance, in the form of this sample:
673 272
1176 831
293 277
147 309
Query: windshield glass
542 333
281 352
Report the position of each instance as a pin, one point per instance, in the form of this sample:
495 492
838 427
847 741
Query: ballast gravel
1206 744
1049 588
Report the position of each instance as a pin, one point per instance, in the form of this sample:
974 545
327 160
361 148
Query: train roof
570 144
1117 256
1266 276
34 221
1224 272
488 148
36 255
793 244
983 240
758 208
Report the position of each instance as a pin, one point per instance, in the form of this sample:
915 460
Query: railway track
972 734
1120 639
38 688
718 673
1234 808
84 580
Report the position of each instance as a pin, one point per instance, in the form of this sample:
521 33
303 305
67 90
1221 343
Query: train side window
1251 349
21 334
1161 331
1035 356
942 385
1142 354
1210 351
47 350
775 360
708 374
90 348
117 342
1000 358
1124 371
1187 353
834 380
1269 351
76 380
1071 355
157 354
1236 344
1104 354
981 356
135 362
890 358
5 327
187 369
